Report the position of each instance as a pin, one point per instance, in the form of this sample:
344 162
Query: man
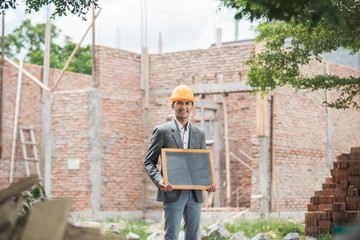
179 133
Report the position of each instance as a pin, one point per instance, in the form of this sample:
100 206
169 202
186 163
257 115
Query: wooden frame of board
188 168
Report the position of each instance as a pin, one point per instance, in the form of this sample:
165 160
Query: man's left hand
212 188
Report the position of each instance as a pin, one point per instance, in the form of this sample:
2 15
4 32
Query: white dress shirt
184 134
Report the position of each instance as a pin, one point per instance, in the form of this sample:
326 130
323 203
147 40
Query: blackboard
188 168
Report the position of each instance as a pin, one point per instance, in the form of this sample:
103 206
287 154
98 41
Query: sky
182 24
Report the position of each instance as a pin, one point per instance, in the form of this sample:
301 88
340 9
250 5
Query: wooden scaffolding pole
94 82
2 75
220 79
17 105
32 77
227 153
74 52
46 102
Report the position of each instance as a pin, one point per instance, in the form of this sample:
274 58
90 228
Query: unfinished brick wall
167 70
29 111
242 128
29 115
300 132
122 134
70 123
300 157
301 142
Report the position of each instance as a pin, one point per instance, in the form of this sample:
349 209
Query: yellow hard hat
182 92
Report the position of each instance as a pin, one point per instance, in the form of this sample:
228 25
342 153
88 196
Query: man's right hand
165 187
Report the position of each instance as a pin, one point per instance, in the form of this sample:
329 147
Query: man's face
182 109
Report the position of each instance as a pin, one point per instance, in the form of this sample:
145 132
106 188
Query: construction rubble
46 219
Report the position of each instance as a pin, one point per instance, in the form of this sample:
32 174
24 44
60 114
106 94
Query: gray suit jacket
167 135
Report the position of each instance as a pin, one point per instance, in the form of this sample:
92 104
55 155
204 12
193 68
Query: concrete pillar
95 148
264 177
263 132
218 37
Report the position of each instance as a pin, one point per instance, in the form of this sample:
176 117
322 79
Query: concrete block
9 213
47 220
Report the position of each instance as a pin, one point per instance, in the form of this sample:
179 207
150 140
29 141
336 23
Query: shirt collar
181 127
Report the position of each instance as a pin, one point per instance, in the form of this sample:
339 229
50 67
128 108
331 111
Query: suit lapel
192 142
176 135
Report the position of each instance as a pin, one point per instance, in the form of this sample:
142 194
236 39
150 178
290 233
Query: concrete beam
210 88
211 105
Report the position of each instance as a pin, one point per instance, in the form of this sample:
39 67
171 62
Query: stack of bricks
338 203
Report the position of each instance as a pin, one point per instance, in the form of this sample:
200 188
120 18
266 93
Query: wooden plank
37 81
17 109
17 188
47 220
227 153
74 52
355 150
262 116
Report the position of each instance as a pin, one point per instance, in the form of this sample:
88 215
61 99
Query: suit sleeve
152 157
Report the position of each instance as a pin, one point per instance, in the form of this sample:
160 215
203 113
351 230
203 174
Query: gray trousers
187 207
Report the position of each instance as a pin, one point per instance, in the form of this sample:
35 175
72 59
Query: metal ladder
33 145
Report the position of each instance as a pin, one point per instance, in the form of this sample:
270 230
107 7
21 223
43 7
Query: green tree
312 33
32 39
287 10
79 7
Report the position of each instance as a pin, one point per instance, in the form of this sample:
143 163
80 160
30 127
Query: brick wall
300 128
300 139
122 134
167 70
29 112
29 115
70 123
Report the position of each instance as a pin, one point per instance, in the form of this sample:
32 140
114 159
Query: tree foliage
79 7
287 10
32 39
310 35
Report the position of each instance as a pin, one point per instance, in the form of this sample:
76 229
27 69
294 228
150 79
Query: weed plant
324 237
279 227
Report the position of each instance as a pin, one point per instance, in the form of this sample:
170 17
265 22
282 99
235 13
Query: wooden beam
227 154
93 70
211 105
46 117
2 76
18 187
74 52
32 77
210 88
17 108
244 163
262 115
